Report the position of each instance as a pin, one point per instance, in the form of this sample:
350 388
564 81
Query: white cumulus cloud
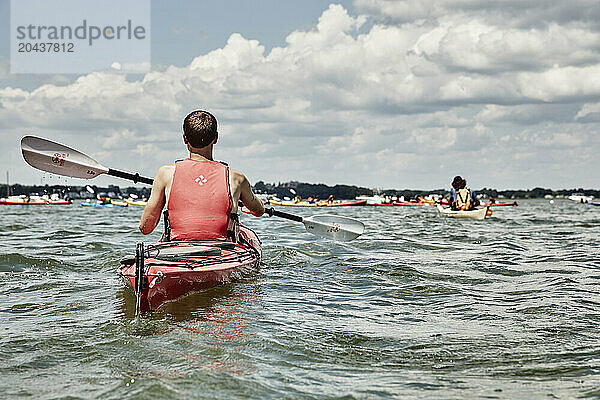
406 93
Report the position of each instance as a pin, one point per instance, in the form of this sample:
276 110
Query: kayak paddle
59 159
330 226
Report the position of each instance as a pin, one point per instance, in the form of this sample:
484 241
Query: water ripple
418 307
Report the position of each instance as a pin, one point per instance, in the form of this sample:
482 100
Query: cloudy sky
376 93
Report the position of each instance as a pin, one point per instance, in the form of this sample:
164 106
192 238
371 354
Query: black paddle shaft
272 211
132 177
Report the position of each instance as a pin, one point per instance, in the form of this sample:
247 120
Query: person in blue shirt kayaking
461 197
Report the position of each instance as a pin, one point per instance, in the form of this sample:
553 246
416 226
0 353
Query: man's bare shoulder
236 176
165 172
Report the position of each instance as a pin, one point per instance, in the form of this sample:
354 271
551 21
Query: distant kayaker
330 199
103 199
461 197
201 195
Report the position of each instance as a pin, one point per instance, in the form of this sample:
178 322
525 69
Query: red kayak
511 203
172 270
342 203
35 203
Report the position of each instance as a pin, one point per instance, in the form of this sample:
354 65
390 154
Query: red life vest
200 201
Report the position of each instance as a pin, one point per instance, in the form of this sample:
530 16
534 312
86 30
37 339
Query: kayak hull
479 213
170 280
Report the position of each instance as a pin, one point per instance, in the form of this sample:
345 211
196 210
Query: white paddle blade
58 159
334 227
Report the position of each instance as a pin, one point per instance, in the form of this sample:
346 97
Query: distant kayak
413 204
319 204
36 203
136 202
343 203
594 203
479 213
401 204
98 204
291 203
510 203
119 203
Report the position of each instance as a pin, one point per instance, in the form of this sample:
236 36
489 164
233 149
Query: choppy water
418 307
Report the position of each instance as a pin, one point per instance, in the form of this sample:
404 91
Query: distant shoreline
304 190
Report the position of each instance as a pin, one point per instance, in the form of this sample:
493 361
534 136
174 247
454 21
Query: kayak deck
173 270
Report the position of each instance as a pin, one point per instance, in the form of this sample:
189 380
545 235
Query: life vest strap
234 233
463 203
166 237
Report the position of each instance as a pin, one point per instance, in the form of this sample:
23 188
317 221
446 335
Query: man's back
239 190
194 207
199 203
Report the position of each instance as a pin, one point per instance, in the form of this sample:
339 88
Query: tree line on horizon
293 188
304 190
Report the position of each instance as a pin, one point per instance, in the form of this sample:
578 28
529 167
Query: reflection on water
218 304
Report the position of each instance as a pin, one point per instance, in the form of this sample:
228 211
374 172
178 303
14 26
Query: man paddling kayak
201 195
461 197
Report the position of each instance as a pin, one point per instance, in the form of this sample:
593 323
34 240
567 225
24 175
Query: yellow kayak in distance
136 202
118 202
291 203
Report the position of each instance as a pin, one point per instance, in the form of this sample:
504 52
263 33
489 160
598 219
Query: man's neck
202 154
